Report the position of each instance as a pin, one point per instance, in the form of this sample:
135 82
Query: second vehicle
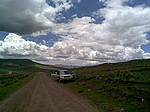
63 75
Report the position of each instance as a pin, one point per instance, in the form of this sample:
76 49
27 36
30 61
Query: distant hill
66 66
132 65
24 65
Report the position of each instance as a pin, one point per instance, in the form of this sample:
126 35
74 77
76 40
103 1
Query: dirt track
42 94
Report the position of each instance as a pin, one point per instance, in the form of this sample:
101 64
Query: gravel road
42 94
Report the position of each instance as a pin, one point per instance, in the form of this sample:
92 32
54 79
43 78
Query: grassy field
112 86
15 73
11 82
115 86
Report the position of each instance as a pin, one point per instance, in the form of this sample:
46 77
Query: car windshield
65 72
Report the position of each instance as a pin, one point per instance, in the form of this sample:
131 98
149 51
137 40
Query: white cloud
29 16
118 38
44 42
126 24
15 46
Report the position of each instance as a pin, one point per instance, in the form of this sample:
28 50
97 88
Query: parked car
54 73
62 75
73 74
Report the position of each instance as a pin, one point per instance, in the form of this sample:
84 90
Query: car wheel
59 80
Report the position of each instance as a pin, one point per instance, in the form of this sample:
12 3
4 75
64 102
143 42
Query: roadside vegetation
12 82
15 73
115 86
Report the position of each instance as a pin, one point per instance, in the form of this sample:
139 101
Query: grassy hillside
11 82
115 86
24 65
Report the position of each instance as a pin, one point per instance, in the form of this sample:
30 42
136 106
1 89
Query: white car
63 75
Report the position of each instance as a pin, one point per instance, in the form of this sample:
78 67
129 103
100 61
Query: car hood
66 75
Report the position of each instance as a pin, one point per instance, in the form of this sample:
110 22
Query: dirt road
42 94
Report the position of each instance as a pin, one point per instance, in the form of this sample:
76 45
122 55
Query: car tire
59 80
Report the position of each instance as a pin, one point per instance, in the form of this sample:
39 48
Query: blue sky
75 32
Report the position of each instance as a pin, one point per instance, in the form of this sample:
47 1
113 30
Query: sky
75 32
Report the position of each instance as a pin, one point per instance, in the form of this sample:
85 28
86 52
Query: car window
66 72
62 72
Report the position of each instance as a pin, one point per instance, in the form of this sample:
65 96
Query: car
54 73
73 74
62 75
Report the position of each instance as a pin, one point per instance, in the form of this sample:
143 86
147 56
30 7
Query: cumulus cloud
118 38
25 17
14 46
126 24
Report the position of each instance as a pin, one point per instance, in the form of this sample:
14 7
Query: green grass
115 86
9 83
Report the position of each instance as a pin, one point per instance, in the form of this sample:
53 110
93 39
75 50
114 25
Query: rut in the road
41 94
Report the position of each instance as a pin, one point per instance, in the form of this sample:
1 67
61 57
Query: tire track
61 95
50 107
33 95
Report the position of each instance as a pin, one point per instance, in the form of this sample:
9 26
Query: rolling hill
115 86
24 65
